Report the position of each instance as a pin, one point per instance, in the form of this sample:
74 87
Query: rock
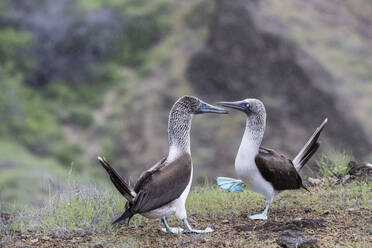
34 240
247 55
307 210
5 216
225 221
290 238
360 171
315 182
327 212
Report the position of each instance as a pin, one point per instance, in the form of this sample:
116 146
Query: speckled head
255 111
193 105
180 116
250 106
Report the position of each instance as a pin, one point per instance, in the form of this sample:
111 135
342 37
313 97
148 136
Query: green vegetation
80 210
26 178
334 164
48 87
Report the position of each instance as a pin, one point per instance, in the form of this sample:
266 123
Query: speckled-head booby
162 190
264 170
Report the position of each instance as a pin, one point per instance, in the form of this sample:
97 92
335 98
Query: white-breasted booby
162 190
264 170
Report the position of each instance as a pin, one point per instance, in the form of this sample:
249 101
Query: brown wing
277 169
162 185
148 173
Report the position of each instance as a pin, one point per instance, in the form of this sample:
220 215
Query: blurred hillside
87 78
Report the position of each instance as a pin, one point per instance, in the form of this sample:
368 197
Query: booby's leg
263 215
191 230
174 230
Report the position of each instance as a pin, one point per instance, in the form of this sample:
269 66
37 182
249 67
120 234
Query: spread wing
162 184
277 169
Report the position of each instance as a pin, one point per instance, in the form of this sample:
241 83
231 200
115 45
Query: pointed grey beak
208 108
239 105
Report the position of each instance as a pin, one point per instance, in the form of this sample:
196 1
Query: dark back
277 169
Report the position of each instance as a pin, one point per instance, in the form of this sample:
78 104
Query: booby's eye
247 105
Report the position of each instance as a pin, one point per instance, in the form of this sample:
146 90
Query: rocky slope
247 56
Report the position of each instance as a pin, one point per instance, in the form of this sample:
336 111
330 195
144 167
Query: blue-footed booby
264 170
162 190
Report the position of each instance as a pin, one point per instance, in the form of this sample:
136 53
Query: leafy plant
334 164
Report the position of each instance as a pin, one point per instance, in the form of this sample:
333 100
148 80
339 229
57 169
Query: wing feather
277 169
163 184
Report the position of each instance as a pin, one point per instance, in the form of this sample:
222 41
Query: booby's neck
253 135
179 126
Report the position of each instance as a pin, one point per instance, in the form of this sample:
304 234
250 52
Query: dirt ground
343 227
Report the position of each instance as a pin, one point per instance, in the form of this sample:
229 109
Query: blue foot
258 217
174 230
189 229
168 229
230 184
206 230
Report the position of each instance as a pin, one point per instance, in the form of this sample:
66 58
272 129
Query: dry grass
81 216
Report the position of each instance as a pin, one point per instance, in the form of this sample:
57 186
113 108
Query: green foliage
24 116
334 164
88 210
212 201
23 176
77 209
69 155
200 15
147 23
16 49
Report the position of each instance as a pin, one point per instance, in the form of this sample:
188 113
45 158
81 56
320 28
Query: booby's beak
208 108
240 105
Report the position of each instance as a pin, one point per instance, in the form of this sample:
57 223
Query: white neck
176 151
250 144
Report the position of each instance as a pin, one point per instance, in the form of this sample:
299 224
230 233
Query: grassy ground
81 216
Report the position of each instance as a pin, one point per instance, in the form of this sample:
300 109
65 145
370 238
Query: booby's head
193 105
249 106
179 122
256 114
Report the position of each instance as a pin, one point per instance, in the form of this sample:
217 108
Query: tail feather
125 189
126 215
309 148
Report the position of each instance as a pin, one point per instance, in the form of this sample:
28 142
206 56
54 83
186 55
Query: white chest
246 169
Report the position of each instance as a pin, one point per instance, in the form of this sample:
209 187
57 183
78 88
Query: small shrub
77 209
334 164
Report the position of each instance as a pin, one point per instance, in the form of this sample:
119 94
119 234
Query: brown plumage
163 184
278 170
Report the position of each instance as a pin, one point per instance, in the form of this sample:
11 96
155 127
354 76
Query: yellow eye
247 105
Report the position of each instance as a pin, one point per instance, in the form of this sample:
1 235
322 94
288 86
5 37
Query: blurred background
86 78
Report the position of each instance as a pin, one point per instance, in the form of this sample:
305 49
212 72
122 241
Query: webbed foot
189 229
174 230
261 216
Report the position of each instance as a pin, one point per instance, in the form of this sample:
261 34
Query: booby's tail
309 148
124 188
127 215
